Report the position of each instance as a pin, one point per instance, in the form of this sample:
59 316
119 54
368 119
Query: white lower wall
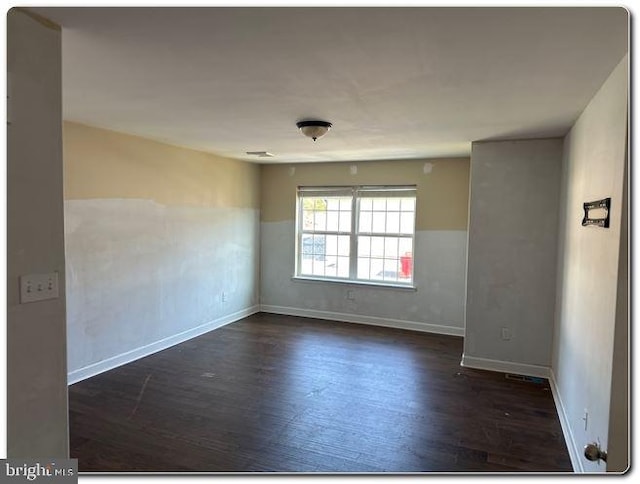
437 305
139 273
513 228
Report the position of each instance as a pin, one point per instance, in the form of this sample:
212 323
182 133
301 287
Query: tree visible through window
363 233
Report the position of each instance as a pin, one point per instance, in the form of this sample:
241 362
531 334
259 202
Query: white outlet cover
38 287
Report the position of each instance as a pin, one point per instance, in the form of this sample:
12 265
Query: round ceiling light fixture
313 129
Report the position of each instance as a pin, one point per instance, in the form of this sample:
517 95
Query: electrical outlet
350 295
224 297
38 287
506 334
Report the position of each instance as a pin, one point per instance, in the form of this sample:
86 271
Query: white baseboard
505 366
124 358
574 451
362 319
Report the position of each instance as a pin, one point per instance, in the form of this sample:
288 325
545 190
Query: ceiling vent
260 154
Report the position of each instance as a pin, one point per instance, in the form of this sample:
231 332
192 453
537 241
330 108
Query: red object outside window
406 264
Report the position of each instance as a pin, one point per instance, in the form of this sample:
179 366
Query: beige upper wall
442 193
99 163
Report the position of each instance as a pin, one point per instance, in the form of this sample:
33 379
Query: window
361 234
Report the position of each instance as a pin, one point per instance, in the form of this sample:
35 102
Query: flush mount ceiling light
313 129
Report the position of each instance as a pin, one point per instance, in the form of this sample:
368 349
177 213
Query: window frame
356 193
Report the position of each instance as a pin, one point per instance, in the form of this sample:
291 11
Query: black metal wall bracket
599 205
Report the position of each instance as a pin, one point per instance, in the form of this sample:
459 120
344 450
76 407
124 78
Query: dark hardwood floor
287 394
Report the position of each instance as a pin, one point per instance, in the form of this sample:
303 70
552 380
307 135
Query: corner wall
37 422
161 245
440 246
588 269
515 189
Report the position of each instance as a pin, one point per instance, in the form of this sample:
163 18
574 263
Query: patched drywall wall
511 265
36 342
160 241
588 270
441 218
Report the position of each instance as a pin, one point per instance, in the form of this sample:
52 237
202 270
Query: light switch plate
38 287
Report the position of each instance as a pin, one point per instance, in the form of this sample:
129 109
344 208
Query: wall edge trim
147 350
363 319
574 451
505 366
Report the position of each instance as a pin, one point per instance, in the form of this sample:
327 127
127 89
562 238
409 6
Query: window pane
365 222
363 268
366 204
314 203
364 246
393 222
307 247
343 267
331 266
344 245
391 247
307 220
320 221
319 247
405 246
391 269
377 269
306 266
345 203
331 244
406 222
332 221
408 204
318 267
393 204
380 204
333 203
378 222
345 221
377 246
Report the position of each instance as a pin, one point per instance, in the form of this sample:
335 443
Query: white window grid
378 198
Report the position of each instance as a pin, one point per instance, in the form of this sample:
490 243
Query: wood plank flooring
285 394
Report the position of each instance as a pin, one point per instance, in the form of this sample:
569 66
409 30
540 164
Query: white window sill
382 285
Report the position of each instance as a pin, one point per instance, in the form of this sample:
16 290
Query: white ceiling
395 82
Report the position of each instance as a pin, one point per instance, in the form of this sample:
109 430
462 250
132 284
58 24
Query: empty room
367 240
